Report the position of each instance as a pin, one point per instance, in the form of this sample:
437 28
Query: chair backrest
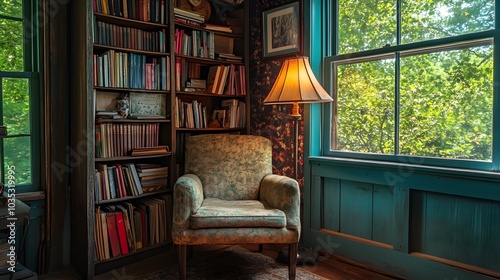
230 166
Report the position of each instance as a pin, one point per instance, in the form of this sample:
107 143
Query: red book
113 234
122 234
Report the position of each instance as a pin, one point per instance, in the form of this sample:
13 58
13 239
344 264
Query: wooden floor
329 267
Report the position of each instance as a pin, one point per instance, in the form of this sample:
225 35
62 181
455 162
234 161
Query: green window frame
20 94
394 49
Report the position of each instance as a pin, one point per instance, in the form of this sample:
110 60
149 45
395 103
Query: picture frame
282 31
220 117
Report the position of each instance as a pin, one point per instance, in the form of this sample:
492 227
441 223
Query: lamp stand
305 256
296 118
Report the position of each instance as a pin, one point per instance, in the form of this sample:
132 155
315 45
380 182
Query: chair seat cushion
217 213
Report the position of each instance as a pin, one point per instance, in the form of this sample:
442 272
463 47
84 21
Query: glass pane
426 20
366 25
11 45
447 104
16 105
17 153
365 107
13 8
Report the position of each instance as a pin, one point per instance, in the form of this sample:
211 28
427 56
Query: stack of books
152 176
188 17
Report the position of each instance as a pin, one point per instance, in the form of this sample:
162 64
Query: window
414 79
19 92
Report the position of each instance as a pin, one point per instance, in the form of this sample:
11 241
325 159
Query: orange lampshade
296 83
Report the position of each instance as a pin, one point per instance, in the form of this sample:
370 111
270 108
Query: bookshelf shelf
132 121
136 252
207 61
202 28
129 22
130 158
212 95
128 198
215 129
123 89
128 50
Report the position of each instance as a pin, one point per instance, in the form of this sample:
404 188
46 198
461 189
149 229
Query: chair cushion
217 213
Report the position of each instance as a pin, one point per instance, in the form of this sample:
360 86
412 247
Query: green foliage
446 98
15 92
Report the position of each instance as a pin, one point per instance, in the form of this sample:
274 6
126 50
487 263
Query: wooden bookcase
89 93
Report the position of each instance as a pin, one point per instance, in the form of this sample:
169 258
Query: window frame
331 60
31 72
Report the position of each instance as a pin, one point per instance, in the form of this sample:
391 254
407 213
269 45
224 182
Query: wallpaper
271 121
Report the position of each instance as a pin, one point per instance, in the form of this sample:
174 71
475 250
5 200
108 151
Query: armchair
229 195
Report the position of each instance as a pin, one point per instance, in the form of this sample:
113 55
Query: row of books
128 37
144 10
197 43
128 179
227 79
128 70
119 139
126 227
191 114
235 113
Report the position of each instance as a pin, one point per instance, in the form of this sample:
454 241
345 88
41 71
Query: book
113 234
122 234
218 27
144 151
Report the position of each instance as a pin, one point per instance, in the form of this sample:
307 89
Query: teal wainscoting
411 221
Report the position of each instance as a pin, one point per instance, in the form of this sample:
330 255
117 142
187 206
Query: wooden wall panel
356 209
428 225
330 203
461 229
382 214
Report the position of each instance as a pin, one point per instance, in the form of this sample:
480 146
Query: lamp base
305 256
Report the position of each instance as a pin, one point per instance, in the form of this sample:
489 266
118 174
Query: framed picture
220 117
282 31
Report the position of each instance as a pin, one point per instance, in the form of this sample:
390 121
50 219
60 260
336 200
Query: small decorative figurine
123 105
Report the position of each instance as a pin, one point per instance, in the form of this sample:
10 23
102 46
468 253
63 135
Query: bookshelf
118 56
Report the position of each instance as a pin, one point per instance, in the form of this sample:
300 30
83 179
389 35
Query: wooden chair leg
181 258
261 248
292 264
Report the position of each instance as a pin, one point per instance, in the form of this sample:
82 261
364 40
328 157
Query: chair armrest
188 196
283 193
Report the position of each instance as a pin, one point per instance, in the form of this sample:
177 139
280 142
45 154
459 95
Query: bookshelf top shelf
130 22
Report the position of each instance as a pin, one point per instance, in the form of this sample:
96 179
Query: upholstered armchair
229 195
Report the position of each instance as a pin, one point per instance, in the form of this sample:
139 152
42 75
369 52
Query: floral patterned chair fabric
230 196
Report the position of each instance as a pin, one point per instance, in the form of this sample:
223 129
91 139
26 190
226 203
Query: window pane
366 25
365 107
13 8
426 20
447 104
11 45
16 105
17 153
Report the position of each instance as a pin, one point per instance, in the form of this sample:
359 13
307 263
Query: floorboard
330 267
